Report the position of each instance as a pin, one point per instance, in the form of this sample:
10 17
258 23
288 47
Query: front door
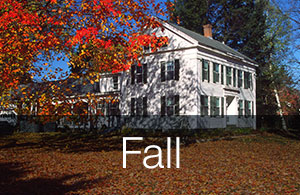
231 110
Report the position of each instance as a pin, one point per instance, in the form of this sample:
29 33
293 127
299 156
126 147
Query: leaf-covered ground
63 164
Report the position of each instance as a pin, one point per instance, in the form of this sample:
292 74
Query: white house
194 82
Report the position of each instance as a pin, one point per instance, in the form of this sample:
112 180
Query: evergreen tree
252 27
192 14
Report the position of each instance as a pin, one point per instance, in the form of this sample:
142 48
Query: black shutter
208 72
132 106
163 71
252 110
163 106
251 82
245 80
97 86
145 73
144 106
177 66
133 74
222 74
177 105
203 70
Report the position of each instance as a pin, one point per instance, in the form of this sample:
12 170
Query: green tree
253 27
192 14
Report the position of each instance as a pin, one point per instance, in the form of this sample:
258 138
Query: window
115 82
139 73
101 108
114 109
147 49
204 105
240 78
215 106
216 73
234 77
97 86
139 106
108 108
241 108
132 107
228 75
205 70
222 106
170 70
247 108
247 80
170 105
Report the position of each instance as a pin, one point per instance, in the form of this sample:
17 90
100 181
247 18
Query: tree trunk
283 123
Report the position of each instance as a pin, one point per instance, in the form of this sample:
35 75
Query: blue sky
294 55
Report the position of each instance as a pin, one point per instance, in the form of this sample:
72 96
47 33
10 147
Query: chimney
207 30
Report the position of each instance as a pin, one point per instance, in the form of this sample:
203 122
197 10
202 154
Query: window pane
170 75
139 78
205 65
216 73
139 69
204 105
170 66
115 82
169 101
228 75
240 78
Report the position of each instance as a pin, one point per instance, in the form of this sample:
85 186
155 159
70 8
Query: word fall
159 155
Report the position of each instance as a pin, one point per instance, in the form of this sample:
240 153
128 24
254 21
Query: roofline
173 29
227 55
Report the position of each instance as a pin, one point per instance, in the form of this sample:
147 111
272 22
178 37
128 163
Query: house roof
211 43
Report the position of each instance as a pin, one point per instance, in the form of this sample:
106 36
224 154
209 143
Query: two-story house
193 82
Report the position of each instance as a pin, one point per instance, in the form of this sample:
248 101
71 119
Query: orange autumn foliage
108 33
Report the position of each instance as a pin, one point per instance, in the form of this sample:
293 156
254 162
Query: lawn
57 163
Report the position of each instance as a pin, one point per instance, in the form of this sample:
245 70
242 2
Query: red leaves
106 32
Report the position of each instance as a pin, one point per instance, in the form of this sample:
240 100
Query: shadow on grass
290 134
12 181
74 142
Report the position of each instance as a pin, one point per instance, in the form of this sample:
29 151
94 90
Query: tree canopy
109 34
